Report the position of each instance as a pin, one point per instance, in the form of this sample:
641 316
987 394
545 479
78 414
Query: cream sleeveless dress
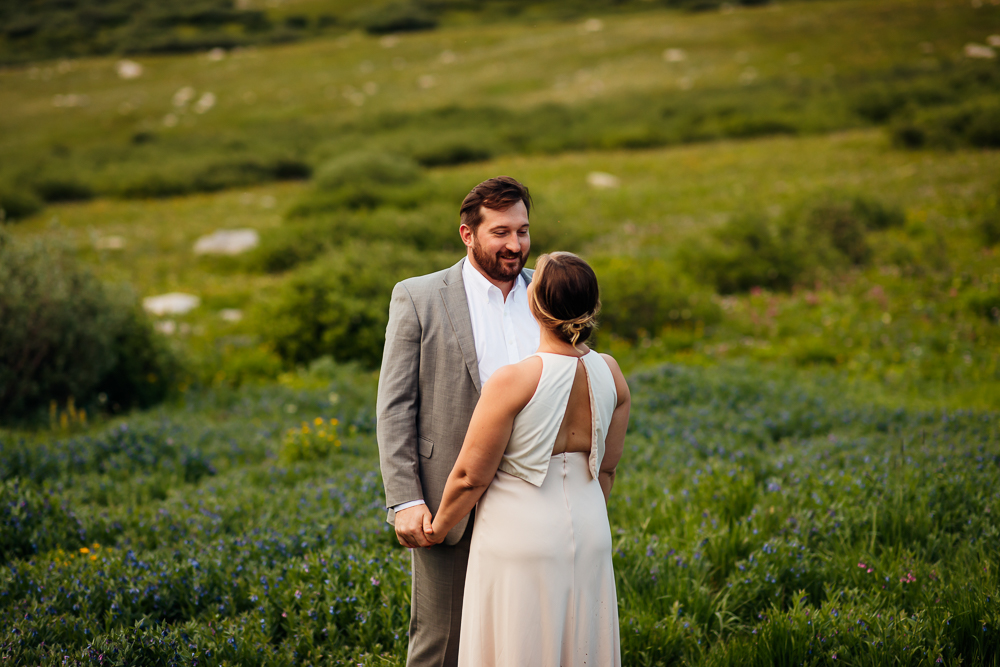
540 588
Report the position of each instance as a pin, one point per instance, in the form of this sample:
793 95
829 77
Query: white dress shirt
505 331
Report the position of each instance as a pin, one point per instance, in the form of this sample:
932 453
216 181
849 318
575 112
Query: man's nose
514 243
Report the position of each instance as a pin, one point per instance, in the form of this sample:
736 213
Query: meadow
794 213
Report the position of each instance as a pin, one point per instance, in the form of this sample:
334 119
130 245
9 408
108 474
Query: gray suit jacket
428 388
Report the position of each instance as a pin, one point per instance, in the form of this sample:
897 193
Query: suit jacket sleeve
399 401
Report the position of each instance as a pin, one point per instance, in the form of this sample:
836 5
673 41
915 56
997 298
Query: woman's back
575 431
570 411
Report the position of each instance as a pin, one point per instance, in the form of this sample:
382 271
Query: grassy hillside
794 213
75 128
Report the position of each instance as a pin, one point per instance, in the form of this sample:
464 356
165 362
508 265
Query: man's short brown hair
497 194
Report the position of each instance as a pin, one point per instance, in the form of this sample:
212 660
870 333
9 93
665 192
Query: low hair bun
565 298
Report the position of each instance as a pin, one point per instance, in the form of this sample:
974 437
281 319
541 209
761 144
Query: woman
540 458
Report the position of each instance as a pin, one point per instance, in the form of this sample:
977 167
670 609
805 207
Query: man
447 333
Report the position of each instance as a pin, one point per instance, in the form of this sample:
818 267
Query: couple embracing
499 432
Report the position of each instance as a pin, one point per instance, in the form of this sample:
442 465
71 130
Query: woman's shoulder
612 364
515 382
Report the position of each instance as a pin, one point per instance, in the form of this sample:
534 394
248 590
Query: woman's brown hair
565 297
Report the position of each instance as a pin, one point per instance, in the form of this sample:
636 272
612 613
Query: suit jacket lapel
457 305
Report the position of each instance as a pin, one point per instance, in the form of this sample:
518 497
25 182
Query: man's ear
467 235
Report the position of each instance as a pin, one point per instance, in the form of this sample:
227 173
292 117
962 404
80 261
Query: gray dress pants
436 602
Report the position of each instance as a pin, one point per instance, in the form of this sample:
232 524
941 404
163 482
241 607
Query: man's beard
493 267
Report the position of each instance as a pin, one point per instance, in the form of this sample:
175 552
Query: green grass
545 87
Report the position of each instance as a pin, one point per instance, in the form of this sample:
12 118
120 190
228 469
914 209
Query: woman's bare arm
614 443
504 396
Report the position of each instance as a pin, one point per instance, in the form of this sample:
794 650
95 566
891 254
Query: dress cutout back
537 425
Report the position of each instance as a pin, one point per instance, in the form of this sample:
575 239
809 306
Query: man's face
501 244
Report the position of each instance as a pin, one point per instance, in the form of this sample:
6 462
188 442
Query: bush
640 297
339 305
366 168
989 227
362 180
395 17
15 205
752 250
975 123
63 189
66 335
33 522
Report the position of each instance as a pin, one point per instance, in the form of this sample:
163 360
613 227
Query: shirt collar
479 286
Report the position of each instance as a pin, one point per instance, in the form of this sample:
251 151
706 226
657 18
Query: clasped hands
415 528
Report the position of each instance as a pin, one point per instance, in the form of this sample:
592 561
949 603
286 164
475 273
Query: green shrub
640 297
398 16
366 168
210 177
443 151
16 205
975 123
339 305
59 189
33 522
66 335
985 303
989 227
752 250
362 180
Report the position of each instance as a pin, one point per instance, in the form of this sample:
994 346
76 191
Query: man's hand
410 526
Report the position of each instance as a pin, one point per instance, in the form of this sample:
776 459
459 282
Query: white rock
216 54
110 243
166 327
979 51
70 100
227 242
128 69
602 180
993 40
592 25
674 55
231 314
204 103
183 96
174 303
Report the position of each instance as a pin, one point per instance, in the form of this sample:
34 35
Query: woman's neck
552 344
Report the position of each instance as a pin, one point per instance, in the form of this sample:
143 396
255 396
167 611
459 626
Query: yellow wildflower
93 558
84 550
318 421
334 421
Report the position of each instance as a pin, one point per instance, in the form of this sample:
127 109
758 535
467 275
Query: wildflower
318 421
375 582
84 550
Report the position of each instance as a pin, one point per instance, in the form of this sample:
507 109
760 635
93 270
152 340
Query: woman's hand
429 533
